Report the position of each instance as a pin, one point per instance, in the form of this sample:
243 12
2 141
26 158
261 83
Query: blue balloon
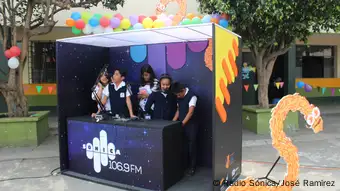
206 19
138 26
93 22
76 16
223 23
300 84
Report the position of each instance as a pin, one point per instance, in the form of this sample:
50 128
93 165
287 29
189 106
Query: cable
52 173
301 166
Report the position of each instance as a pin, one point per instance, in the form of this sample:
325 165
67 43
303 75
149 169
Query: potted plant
19 127
268 29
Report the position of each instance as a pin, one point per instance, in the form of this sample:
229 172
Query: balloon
119 16
8 54
13 63
133 19
224 16
104 22
171 17
186 22
214 20
98 30
147 23
158 23
196 20
15 51
85 16
108 16
300 84
70 22
108 30
125 24
206 19
115 22
80 24
76 31
131 28
216 16
167 22
200 16
94 22
138 26
190 16
161 16
117 29
87 29
141 18
223 23
98 16
308 88
75 16
153 18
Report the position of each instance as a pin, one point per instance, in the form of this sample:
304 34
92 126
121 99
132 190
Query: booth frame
220 130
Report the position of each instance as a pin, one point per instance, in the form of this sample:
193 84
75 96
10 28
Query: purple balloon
216 16
114 22
133 19
308 88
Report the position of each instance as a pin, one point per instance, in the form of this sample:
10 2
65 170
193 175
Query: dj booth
140 154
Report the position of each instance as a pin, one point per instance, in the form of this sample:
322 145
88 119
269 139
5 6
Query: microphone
102 71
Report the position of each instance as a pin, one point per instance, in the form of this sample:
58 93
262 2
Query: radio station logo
104 154
101 151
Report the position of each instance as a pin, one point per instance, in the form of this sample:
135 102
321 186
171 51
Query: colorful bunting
323 90
256 86
39 88
281 84
277 85
50 89
246 87
333 91
25 88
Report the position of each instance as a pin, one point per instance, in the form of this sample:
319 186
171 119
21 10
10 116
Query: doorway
276 77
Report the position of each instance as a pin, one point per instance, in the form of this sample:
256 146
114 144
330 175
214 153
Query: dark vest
118 101
165 107
184 106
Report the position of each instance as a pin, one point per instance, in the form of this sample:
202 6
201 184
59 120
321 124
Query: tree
270 27
33 17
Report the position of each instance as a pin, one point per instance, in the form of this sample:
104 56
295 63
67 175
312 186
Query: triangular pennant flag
50 89
246 87
319 89
25 88
333 91
277 85
323 90
255 86
39 88
281 84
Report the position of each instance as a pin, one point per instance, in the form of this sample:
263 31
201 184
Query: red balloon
153 18
80 24
8 54
119 16
15 51
104 22
141 18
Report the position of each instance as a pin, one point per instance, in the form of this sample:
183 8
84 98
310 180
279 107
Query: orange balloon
190 16
224 16
200 16
70 22
214 20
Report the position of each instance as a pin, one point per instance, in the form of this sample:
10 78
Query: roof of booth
184 33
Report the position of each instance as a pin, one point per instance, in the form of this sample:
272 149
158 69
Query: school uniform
117 96
190 128
147 89
93 96
165 105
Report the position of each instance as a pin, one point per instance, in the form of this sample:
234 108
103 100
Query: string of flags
277 84
309 88
29 89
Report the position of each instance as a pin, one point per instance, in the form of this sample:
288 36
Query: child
104 80
186 106
118 94
148 85
164 101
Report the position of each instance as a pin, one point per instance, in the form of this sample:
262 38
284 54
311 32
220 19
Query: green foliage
265 24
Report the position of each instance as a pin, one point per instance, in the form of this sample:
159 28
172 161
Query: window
43 62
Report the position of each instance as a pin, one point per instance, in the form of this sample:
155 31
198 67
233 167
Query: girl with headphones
165 102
